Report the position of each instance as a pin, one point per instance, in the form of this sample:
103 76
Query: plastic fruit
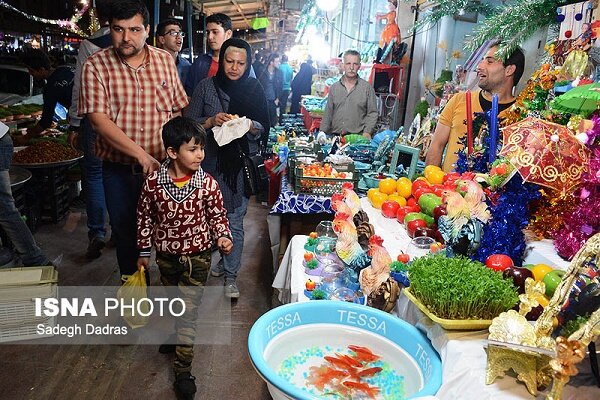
389 209
499 262
540 270
418 184
397 198
552 280
421 191
308 256
371 191
428 202
518 276
429 170
436 177
404 187
310 285
411 226
424 231
313 235
411 216
438 211
377 199
387 186
402 212
403 258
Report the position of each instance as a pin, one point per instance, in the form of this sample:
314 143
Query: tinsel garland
503 234
445 8
548 213
509 205
516 23
584 221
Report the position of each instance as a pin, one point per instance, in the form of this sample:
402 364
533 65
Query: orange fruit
371 191
436 177
404 187
429 169
387 186
397 198
543 300
377 199
540 270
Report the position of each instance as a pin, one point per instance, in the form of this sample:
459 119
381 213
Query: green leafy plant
318 294
459 288
422 108
573 325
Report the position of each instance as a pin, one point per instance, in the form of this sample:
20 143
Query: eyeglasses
175 33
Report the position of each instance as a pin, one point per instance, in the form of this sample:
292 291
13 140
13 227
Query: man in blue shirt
287 72
58 87
169 37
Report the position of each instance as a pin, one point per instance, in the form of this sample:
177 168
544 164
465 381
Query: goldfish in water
370 391
352 361
321 376
363 354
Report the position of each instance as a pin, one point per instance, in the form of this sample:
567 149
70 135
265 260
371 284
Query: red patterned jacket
180 221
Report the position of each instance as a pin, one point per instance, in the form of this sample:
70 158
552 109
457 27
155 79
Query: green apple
552 280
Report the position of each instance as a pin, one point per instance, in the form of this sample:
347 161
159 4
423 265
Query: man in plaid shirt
128 91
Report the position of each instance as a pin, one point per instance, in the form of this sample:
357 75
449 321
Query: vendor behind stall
351 103
58 88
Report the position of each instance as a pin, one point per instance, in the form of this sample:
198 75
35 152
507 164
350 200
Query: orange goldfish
370 391
338 362
368 372
363 354
353 362
321 376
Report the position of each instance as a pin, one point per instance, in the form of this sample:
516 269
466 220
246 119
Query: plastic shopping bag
131 293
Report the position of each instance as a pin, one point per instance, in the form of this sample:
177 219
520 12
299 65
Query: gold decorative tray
449 324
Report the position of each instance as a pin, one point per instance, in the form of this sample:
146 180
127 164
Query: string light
70 24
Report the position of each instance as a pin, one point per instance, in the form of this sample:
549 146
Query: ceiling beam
237 5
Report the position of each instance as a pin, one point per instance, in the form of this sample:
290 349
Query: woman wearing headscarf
301 85
231 93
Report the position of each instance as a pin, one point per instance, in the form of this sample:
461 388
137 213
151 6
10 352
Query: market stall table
287 205
462 352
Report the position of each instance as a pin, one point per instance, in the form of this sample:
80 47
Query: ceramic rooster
347 247
352 206
463 209
379 288
379 271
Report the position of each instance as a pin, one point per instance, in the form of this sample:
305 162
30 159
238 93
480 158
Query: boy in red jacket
180 212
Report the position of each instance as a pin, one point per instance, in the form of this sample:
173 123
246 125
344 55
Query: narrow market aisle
139 372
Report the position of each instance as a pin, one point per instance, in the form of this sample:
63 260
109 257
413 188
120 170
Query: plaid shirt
138 100
180 221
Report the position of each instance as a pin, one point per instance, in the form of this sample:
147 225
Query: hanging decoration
70 25
515 23
445 8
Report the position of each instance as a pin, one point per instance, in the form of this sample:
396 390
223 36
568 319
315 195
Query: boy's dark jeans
189 274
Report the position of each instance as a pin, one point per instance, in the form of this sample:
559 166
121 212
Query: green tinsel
516 23
454 7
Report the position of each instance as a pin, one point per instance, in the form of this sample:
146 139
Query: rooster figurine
465 215
352 206
347 247
379 288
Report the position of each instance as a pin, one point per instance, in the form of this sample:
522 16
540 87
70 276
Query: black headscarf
246 99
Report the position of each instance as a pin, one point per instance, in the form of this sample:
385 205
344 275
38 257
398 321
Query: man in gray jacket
351 104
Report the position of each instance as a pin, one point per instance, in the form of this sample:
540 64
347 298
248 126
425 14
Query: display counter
462 352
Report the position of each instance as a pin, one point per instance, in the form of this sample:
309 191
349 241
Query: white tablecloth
462 353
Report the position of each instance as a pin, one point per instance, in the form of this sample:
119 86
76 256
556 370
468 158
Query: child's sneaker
185 385
231 289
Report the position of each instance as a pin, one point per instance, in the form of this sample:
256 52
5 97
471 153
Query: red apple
389 209
499 262
411 201
438 211
421 191
438 190
518 276
403 258
412 226
401 213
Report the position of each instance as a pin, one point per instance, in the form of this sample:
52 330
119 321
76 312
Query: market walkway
139 372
